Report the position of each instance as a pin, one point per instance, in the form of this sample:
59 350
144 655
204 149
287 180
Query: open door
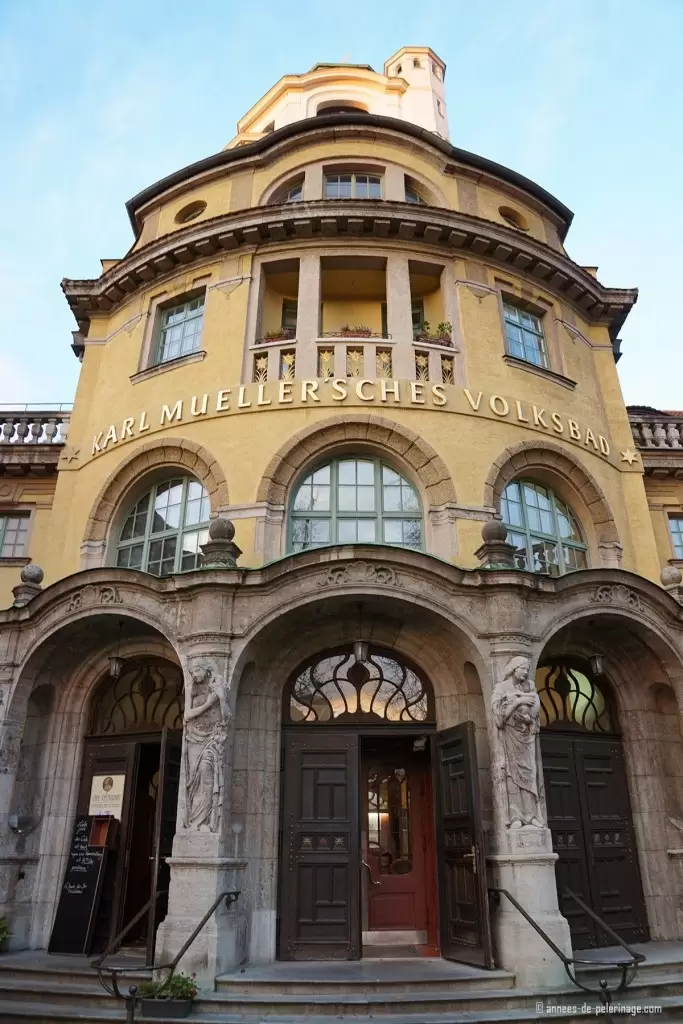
319 884
168 781
464 912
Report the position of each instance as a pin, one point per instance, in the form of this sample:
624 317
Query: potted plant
444 331
362 330
4 935
284 334
170 998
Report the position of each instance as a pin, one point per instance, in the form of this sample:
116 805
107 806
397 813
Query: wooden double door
144 770
381 846
589 815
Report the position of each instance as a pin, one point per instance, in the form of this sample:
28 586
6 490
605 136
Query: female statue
516 710
206 736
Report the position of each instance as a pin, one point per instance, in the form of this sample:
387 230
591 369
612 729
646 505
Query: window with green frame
164 529
349 185
180 328
289 314
676 527
417 311
525 337
13 534
355 501
546 533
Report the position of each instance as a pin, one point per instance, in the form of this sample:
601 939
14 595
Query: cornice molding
356 221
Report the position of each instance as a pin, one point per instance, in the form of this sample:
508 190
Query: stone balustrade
28 426
657 431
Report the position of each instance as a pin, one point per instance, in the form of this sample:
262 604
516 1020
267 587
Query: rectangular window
353 186
417 309
289 309
676 527
13 534
525 337
180 329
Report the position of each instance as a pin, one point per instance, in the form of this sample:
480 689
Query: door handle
369 869
472 855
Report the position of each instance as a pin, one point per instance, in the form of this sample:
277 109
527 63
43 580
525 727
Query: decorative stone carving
31 579
94 595
206 732
495 552
617 594
516 711
359 572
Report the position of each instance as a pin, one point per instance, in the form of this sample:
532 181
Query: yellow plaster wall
356 314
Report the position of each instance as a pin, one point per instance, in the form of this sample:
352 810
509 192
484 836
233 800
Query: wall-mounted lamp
597 667
116 663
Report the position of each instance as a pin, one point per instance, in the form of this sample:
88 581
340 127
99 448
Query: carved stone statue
516 710
206 733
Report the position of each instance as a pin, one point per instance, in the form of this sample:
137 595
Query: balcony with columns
32 438
325 315
658 436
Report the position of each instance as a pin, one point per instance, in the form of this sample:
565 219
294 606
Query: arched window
355 501
571 699
292 192
146 697
336 688
544 530
164 529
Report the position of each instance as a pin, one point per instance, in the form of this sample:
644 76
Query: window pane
346 498
412 533
347 472
366 531
676 526
390 476
366 499
392 499
365 472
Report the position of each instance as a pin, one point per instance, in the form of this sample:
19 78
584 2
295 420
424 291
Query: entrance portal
589 811
131 772
358 867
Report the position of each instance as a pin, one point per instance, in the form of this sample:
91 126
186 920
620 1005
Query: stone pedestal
527 871
222 943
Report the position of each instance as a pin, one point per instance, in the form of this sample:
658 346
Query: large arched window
544 530
164 529
572 699
355 501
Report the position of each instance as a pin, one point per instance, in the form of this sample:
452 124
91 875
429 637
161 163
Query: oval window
190 211
513 217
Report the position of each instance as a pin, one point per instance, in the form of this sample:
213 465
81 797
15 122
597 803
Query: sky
99 100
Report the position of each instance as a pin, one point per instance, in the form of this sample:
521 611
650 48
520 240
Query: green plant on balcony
355 331
284 334
441 336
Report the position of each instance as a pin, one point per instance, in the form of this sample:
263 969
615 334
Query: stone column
394 184
451 307
313 182
205 860
308 315
521 858
399 317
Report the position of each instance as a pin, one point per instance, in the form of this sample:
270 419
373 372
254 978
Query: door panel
164 830
319 887
464 918
589 815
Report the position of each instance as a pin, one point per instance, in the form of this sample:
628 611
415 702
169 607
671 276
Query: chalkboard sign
79 898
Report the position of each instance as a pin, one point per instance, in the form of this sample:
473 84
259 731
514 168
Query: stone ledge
170 364
540 371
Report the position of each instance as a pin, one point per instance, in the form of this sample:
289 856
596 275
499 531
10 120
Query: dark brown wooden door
164 830
464 912
319 884
589 815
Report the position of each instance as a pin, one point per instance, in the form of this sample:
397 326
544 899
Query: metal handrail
230 896
628 967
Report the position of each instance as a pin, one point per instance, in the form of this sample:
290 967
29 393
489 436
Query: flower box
165 1008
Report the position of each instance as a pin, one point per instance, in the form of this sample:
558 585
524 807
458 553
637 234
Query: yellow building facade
338 350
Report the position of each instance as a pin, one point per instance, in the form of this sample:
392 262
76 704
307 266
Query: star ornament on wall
630 456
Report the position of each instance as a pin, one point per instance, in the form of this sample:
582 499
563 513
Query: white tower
424 101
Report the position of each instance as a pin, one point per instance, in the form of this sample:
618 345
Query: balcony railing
31 425
657 431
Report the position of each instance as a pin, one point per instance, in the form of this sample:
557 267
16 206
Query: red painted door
398 852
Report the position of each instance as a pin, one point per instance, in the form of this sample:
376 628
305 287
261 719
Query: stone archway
554 463
168 452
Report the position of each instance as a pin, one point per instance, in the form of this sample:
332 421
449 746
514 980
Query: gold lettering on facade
590 439
574 430
241 403
438 394
309 389
204 406
386 387
520 416
604 446
538 415
558 425
143 424
223 400
361 393
176 413
261 400
110 436
499 405
96 443
285 393
127 427
417 392
339 389
475 405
